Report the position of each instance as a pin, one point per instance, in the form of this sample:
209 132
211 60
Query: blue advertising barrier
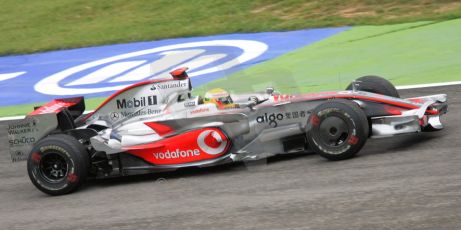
99 71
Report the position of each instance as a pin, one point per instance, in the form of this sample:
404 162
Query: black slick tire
375 84
337 129
58 164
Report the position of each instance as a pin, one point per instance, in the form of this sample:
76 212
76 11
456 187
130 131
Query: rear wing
57 115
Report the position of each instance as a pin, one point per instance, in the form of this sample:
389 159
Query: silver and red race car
158 125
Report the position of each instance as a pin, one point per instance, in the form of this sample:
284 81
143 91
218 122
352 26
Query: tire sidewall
315 129
76 173
357 133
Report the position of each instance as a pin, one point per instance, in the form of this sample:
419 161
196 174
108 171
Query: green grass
411 53
38 25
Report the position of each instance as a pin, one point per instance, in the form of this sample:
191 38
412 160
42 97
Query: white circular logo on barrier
211 135
121 69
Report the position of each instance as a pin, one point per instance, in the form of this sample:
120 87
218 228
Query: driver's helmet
220 97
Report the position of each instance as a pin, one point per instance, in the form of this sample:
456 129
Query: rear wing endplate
56 114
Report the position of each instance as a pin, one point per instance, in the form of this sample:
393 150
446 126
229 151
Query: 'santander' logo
169 85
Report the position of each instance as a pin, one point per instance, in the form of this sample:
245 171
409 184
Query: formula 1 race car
158 125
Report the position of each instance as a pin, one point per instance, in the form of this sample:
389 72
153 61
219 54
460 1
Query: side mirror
269 90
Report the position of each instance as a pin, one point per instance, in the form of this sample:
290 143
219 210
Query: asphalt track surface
406 182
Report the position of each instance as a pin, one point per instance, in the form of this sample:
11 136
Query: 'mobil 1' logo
136 102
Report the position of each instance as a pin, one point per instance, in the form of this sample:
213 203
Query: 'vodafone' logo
192 146
211 142
117 72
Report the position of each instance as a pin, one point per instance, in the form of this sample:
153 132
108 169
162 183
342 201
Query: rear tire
375 84
337 129
58 164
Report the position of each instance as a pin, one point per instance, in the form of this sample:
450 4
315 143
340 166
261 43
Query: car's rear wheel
58 164
337 129
375 84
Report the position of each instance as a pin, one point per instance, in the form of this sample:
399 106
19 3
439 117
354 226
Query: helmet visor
225 100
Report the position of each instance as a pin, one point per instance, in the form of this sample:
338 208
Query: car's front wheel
337 129
58 164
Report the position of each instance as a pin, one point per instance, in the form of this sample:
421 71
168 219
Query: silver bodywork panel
394 125
23 134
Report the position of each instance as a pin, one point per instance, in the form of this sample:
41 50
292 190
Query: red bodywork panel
56 105
188 147
159 128
179 74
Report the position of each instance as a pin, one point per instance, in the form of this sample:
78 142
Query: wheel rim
53 167
334 131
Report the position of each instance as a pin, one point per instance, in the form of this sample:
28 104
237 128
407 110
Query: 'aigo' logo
118 70
270 118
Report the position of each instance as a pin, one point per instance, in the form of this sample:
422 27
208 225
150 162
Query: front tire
376 84
337 129
58 164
